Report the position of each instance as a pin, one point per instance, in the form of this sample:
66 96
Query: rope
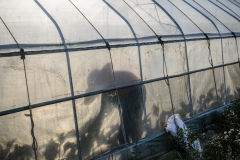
166 78
209 49
10 32
34 143
114 77
227 7
226 27
232 32
211 63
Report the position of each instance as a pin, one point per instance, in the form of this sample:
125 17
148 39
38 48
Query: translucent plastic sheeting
89 76
15 137
156 18
175 58
91 71
126 65
158 104
6 38
152 60
141 30
28 23
13 91
105 20
99 124
217 51
204 91
132 112
72 24
124 154
48 77
180 96
204 24
186 25
55 131
232 82
229 6
221 28
199 55
158 146
230 50
225 18
154 147
235 2
220 77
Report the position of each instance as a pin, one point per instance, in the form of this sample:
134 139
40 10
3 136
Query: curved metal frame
67 50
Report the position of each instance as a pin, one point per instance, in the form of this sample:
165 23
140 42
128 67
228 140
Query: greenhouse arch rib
22 56
235 3
108 47
69 74
228 8
146 40
166 78
233 33
185 44
139 52
93 48
224 78
235 17
208 43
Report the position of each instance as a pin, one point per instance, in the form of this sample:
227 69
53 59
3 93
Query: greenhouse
93 79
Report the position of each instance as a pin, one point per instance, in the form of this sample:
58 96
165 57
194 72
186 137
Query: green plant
220 140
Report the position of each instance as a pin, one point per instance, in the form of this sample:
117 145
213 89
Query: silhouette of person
130 99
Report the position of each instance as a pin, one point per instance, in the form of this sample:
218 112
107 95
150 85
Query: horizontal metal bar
159 133
100 41
190 72
139 142
11 54
2 113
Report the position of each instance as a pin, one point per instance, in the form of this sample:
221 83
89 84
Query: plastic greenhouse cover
102 74
38 25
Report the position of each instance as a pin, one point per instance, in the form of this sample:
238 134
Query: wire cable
228 8
209 48
234 35
166 78
34 143
114 77
234 18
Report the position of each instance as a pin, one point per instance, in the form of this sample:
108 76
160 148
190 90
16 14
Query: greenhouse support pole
235 3
185 44
224 78
107 46
209 47
23 108
69 74
228 8
232 32
234 35
139 54
166 77
225 10
22 56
